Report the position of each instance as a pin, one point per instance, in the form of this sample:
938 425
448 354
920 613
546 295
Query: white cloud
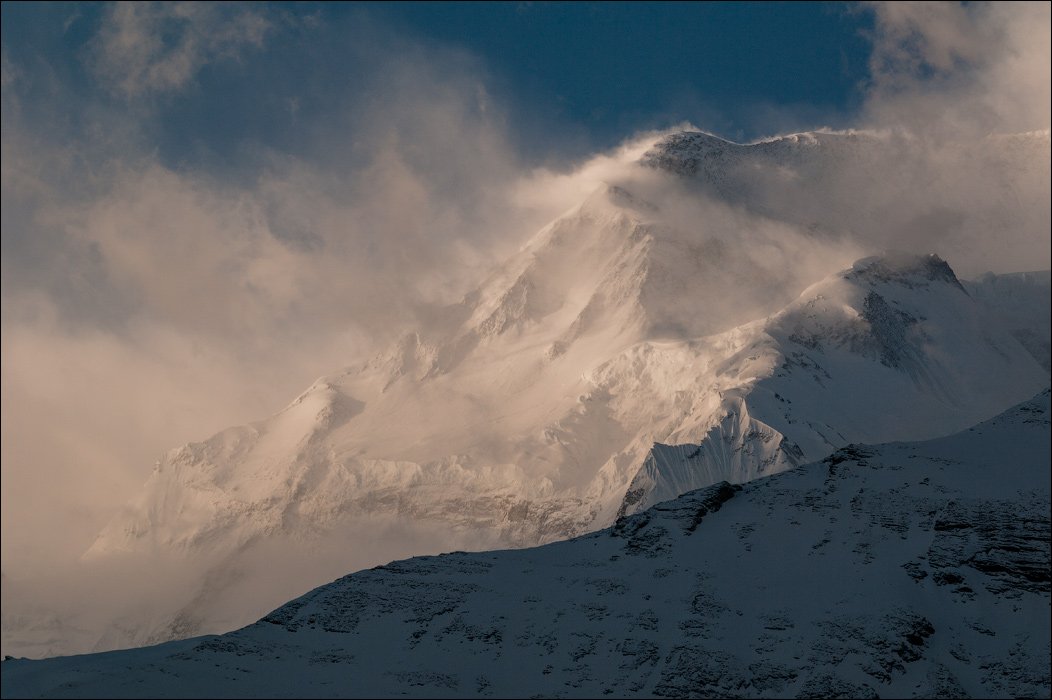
961 68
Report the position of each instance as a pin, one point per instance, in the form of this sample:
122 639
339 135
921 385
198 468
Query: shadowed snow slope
899 570
627 354
1022 303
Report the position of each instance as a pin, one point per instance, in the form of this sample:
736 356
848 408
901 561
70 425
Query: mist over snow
160 286
934 560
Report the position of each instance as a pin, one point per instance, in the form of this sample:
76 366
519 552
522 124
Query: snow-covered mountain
627 354
909 569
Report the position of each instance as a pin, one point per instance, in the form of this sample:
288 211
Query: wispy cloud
157 47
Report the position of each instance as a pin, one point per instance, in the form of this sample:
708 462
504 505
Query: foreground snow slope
901 570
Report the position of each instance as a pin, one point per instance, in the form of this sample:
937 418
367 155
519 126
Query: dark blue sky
614 67
569 77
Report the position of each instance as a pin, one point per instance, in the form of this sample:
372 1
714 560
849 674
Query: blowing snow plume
511 397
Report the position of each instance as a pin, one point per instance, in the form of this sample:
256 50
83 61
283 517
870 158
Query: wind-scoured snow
897 570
